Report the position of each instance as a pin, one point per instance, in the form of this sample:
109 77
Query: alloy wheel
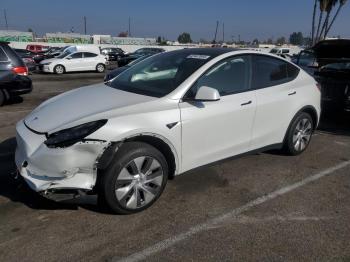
100 68
139 182
302 134
59 70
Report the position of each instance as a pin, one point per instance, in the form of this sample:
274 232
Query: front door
213 131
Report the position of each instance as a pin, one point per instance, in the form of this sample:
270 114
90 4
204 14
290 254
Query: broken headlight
70 136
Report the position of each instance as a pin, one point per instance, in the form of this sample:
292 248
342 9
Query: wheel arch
311 110
157 141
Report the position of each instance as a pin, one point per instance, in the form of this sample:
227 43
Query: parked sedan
13 74
72 62
137 54
166 115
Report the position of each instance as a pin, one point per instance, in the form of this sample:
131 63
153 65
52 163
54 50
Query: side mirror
206 93
68 58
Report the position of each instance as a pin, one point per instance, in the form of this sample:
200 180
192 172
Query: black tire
100 68
291 145
59 69
2 97
108 182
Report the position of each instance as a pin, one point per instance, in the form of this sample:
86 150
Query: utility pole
5 15
129 27
216 31
84 25
223 32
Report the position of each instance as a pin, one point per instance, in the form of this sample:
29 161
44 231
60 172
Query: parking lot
265 207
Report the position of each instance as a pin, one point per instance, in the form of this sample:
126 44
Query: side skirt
278 146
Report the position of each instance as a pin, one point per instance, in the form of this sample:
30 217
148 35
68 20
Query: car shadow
17 190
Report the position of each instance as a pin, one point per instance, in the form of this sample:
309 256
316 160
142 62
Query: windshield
306 58
274 51
138 60
159 75
63 55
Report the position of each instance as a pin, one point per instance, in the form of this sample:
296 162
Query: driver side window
229 76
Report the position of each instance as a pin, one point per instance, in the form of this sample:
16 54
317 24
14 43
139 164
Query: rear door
74 62
90 61
276 95
216 130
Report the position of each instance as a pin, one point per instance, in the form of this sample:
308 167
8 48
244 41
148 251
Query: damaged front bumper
49 169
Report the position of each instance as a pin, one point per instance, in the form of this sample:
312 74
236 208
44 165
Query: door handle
292 94
247 103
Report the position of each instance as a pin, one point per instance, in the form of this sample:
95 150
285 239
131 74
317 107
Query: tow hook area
59 195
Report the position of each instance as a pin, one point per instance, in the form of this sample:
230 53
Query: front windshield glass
138 60
274 51
63 55
140 51
159 75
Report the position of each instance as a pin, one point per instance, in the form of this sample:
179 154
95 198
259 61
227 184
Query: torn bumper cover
44 168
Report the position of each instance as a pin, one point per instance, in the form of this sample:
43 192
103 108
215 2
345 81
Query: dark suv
329 63
13 74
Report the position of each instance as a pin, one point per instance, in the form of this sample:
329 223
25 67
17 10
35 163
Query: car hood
79 104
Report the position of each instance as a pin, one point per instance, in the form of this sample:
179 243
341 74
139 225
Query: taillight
20 70
318 85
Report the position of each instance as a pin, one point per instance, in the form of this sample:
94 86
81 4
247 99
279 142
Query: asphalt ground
262 207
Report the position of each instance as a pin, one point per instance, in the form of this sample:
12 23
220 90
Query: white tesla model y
168 114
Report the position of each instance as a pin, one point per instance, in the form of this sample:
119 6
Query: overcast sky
150 18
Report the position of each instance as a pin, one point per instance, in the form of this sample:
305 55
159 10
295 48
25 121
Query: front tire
134 180
100 68
59 69
299 134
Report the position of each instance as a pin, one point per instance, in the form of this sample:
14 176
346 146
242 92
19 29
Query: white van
280 51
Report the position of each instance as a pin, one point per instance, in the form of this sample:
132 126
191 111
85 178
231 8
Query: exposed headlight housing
70 136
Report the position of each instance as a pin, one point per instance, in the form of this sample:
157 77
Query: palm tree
329 7
340 6
323 6
313 22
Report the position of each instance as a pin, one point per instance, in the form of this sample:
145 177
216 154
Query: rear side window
76 55
3 56
87 55
269 71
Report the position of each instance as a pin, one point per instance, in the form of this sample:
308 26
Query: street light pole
5 15
84 25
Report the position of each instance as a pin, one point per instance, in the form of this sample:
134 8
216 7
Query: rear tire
2 97
100 68
59 69
134 180
299 134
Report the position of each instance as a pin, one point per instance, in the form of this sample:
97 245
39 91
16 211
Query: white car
168 114
72 62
